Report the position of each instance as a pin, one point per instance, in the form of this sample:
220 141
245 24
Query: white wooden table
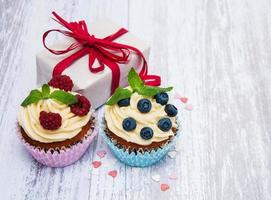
215 52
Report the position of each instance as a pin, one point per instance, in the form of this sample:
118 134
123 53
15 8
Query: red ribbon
106 52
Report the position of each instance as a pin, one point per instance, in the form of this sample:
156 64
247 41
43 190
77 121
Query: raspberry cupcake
56 125
139 124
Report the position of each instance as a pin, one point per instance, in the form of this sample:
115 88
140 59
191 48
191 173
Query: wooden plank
214 52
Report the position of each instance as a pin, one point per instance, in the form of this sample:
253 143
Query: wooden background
215 52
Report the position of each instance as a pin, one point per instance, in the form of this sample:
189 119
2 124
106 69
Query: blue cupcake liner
137 159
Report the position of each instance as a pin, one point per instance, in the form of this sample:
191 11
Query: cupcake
56 125
139 124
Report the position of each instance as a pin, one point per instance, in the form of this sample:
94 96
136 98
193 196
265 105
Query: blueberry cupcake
139 123
56 125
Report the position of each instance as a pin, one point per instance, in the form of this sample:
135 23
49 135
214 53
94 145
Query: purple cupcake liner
60 157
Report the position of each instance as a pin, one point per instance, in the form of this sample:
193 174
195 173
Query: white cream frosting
114 116
28 119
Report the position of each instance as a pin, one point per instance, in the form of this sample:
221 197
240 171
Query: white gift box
95 86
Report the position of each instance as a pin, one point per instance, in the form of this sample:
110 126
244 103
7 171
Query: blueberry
129 124
161 98
146 133
144 105
124 102
164 124
171 110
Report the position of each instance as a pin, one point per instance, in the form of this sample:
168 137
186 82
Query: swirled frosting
28 119
114 116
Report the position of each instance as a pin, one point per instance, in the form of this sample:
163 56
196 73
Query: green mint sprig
137 85
119 94
59 95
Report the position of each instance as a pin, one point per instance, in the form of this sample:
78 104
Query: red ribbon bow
105 51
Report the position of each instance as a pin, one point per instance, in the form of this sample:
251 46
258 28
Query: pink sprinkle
188 107
173 177
96 164
101 153
113 173
184 99
164 187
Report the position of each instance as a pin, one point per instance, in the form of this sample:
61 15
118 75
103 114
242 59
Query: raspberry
82 107
62 82
50 121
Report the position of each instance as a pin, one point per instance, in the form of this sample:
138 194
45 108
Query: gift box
96 86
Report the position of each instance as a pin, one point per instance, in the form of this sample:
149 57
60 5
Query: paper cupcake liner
138 159
60 157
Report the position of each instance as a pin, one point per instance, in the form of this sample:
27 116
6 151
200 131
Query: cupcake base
60 157
139 157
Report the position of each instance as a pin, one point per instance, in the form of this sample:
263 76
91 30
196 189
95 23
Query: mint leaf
45 90
150 91
33 97
138 85
119 94
134 80
63 97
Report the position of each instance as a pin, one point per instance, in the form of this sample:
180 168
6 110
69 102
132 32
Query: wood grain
215 52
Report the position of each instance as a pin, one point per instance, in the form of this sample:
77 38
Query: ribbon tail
61 21
114 36
151 80
64 64
93 55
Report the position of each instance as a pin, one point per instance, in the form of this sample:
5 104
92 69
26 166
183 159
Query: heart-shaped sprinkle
188 107
184 99
156 177
96 164
172 154
173 177
164 187
101 153
113 173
